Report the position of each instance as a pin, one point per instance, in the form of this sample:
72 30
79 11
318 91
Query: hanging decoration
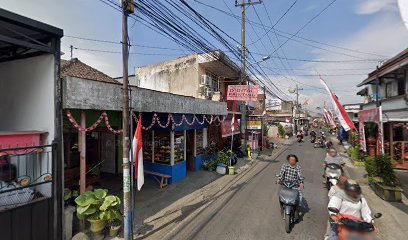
170 120
104 115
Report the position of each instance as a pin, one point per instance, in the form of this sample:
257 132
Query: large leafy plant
98 205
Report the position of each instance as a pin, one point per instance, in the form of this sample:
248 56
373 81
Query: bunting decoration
104 115
329 117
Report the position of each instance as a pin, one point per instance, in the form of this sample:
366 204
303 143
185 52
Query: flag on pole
137 154
339 110
329 117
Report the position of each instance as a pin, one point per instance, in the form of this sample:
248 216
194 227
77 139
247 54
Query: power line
133 53
290 34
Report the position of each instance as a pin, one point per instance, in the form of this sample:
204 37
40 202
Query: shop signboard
254 125
247 93
226 128
274 104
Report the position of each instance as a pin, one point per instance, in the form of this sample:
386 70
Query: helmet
352 186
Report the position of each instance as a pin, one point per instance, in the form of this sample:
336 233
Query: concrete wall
178 76
27 95
86 94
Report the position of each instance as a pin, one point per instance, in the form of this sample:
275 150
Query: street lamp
262 60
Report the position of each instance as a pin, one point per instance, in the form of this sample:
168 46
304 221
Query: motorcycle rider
351 203
291 171
299 135
332 157
339 187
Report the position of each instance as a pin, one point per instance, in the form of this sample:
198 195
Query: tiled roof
78 69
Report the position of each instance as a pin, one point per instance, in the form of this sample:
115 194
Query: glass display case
162 148
199 142
147 146
178 146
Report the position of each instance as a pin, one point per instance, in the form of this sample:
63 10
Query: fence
26 185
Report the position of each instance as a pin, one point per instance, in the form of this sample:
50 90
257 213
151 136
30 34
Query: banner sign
274 104
363 145
226 129
372 115
254 125
248 93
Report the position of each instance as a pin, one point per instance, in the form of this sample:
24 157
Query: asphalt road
250 209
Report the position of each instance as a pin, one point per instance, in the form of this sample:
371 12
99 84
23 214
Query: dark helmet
352 186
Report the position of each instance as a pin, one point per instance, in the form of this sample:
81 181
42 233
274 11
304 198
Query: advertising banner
226 128
247 93
254 125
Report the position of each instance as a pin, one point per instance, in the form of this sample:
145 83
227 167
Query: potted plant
382 178
97 207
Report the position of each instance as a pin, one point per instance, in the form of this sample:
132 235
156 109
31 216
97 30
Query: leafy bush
354 153
381 167
98 205
281 131
354 139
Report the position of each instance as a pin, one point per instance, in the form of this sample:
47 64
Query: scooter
350 227
333 172
300 138
289 202
328 144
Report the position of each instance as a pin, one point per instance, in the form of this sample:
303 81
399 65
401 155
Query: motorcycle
289 202
350 227
328 144
300 138
312 139
319 143
333 172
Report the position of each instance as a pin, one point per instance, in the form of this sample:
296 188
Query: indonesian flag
329 117
326 120
137 155
264 112
339 110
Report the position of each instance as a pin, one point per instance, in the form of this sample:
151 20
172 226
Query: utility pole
127 7
72 51
262 117
243 4
297 107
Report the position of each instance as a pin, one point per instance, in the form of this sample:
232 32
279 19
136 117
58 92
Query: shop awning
93 95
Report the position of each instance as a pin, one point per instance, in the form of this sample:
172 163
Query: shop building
202 76
175 127
387 88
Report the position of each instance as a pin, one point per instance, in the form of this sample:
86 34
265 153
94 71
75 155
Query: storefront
228 133
175 143
254 133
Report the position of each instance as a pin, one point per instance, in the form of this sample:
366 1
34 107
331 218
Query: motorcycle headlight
333 171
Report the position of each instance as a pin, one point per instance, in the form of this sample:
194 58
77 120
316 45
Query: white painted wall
27 95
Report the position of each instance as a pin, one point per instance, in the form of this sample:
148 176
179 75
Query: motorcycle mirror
277 175
334 210
302 178
377 215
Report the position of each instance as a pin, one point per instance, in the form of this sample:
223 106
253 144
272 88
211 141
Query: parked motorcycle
350 227
300 138
328 144
289 202
333 172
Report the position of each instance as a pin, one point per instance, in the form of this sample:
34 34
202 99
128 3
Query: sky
363 27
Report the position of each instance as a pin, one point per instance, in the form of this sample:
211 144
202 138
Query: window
391 89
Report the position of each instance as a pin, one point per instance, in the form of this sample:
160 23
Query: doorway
108 152
190 146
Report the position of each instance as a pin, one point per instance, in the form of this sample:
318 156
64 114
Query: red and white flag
329 117
137 154
339 110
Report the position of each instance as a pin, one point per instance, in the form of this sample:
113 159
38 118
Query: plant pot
97 225
231 170
68 216
387 193
114 231
221 169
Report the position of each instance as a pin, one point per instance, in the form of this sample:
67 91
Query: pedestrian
290 172
352 202
342 135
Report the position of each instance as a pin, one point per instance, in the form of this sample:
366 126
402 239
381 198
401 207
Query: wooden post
195 143
172 148
185 145
153 146
391 141
82 141
205 137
